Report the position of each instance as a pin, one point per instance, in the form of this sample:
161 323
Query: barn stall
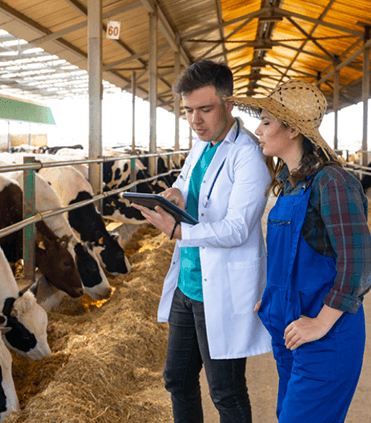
105 354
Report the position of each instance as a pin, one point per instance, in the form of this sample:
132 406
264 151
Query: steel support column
95 91
190 138
29 134
365 95
336 109
9 138
132 161
152 91
133 88
29 232
176 107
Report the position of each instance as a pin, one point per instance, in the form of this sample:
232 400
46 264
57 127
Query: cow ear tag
100 242
41 245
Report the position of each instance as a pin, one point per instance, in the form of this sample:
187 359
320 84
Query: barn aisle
108 357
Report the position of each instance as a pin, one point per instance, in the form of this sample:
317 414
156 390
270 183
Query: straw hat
296 103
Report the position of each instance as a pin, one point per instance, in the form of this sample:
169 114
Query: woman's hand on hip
308 329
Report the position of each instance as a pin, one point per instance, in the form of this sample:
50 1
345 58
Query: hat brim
254 106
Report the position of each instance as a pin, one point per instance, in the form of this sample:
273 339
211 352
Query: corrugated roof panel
249 29
234 9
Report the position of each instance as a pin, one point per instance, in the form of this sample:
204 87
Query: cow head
28 323
119 209
110 253
95 281
56 263
8 395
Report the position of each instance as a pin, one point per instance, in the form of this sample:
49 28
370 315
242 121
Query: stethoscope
207 197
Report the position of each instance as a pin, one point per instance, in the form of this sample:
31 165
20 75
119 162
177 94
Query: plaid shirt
336 226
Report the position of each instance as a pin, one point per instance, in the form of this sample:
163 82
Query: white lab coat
232 251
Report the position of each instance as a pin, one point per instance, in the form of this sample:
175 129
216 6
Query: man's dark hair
202 74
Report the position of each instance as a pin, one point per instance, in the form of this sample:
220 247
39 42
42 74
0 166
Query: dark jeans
186 353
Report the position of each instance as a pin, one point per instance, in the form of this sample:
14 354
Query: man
218 268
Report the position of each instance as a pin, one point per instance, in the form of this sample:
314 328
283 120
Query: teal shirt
190 279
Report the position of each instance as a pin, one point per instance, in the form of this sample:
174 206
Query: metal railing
357 168
29 198
28 223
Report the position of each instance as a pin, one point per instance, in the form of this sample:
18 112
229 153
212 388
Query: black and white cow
87 262
51 253
116 174
72 187
8 395
366 183
55 149
25 318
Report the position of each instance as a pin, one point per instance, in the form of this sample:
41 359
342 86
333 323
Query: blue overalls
318 379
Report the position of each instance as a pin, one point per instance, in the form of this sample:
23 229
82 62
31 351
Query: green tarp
12 109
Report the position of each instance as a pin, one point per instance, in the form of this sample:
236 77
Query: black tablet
152 200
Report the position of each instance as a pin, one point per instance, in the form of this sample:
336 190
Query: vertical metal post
152 162
336 108
133 92
132 161
176 107
95 93
29 232
9 139
365 95
29 134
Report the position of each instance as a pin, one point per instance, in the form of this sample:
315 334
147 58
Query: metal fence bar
39 165
361 170
44 215
29 232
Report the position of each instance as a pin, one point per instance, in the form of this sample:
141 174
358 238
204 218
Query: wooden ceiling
265 42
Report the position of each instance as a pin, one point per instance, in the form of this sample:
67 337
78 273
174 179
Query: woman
319 259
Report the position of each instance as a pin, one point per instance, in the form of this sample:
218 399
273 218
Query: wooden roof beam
83 11
77 6
248 44
288 14
276 65
318 56
311 39
254 44
346 62
221 29
260 77
323 14
162 47
167 31
351 48
206 30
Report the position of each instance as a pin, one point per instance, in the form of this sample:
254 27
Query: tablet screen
152 200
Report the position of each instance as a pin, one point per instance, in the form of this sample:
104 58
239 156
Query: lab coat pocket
246 282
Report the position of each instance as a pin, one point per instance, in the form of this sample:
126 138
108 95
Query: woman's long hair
313 160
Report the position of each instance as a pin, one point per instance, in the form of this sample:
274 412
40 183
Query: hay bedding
105 354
